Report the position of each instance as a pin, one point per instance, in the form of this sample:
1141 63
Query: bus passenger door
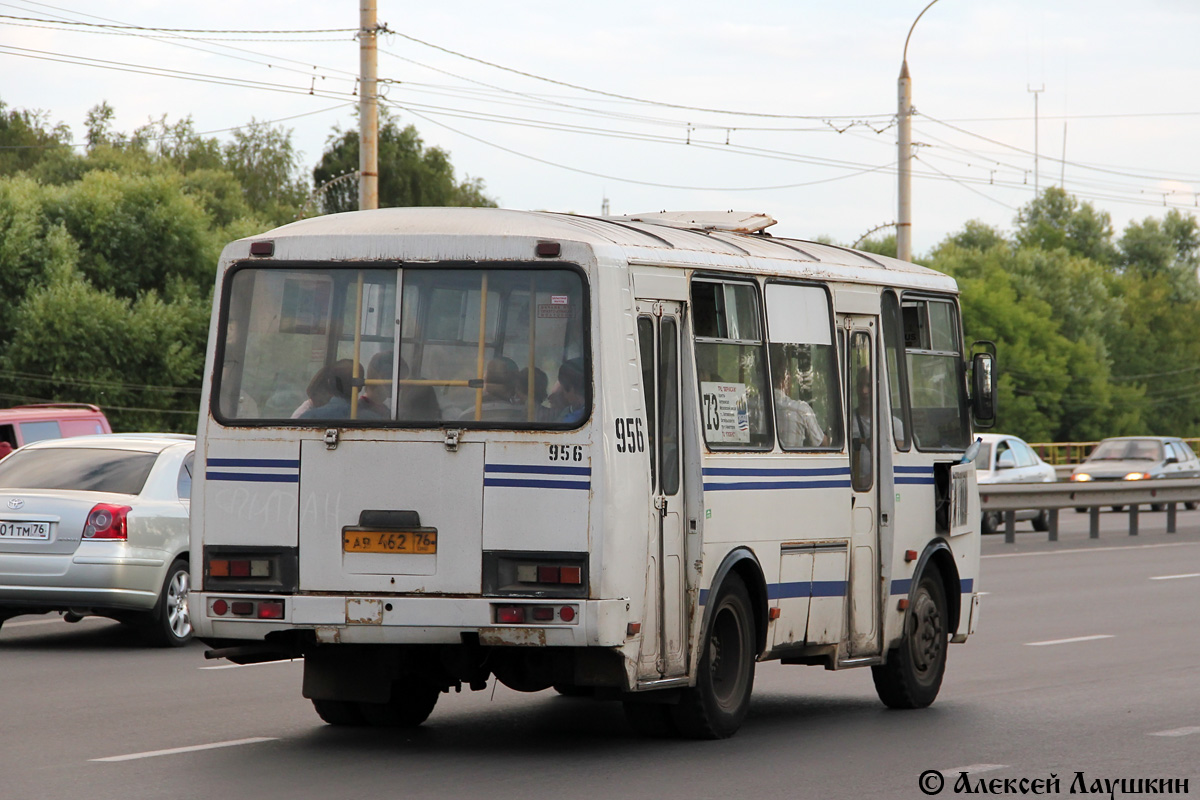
863 437
664 651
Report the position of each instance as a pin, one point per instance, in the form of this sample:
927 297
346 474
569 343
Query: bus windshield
417 347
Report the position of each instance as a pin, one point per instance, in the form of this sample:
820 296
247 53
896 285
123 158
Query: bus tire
715 707
411 704
912 675
339 712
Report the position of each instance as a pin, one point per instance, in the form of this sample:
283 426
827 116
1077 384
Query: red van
21 425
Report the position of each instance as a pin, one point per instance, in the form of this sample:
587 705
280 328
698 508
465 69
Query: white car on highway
98 525
1008 459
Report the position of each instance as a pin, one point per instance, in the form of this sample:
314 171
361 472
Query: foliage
410 174
1096 337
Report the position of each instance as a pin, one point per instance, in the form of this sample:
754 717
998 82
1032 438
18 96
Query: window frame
768 411
838 426
959 361
399 266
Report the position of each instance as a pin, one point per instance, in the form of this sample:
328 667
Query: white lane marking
1071 640
192 749
972 769
1176 732
1091 550
1173 577
257 664
58 620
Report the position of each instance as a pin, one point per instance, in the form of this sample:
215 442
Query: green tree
410 174
26 137
1057 219
141 360
1054 365
263 159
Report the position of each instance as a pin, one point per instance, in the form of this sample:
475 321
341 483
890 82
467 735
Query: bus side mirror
983 387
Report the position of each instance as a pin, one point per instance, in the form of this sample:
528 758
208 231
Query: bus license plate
422 542
38 531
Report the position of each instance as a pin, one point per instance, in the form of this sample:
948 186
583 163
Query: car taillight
107 521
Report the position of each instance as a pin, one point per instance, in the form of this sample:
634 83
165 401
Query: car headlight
1081 477
1137 476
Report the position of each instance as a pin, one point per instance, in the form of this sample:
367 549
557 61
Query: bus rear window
421 347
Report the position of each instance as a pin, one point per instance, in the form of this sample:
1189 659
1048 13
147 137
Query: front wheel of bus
913 673
716 706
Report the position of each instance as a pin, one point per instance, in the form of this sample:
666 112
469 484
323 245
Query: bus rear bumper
421 620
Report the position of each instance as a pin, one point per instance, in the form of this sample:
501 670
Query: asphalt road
1085 660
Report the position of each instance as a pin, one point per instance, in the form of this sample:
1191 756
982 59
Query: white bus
623 457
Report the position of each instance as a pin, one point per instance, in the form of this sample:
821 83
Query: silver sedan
98 525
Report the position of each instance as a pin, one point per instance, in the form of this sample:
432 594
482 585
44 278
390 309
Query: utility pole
368 108
1035 93
904 166
904 152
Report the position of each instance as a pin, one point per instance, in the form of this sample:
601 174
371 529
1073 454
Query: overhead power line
629 98
178 30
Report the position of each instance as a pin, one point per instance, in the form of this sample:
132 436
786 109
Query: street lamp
904 154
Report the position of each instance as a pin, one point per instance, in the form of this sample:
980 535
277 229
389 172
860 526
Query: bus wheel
913 672
411 704
339 712
716 706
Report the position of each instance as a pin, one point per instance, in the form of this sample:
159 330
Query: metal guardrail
1094 495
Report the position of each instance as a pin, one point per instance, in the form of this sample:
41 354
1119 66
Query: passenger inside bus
338 389
417 403
569 392
499 390
375 398
541 412
797 422
318 393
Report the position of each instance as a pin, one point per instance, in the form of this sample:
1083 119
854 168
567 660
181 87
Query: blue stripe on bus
537 469
280 463
252 477
742 486
747 472
925 470
535 484
919 481
783 591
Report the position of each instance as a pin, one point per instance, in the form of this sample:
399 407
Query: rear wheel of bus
715 707
411 703
913 673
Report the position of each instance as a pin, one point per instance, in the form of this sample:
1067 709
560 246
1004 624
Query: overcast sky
812 87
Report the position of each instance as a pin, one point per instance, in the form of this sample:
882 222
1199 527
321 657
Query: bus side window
645 327
803 367
936 374
731 366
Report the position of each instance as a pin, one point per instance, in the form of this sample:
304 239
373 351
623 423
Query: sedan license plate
422 541
19 529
